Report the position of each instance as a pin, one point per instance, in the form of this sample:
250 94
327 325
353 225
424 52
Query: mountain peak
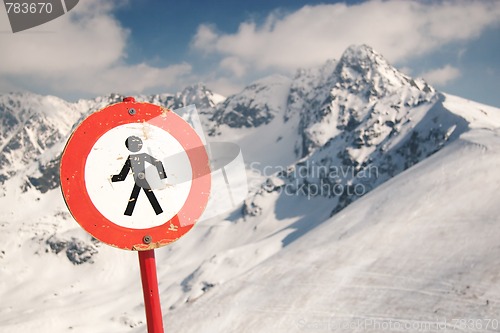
255 105
362 69
360 53
200 95
361 61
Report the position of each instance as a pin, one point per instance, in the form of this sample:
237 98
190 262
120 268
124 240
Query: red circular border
72 176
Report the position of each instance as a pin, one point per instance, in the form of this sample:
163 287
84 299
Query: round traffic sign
135 175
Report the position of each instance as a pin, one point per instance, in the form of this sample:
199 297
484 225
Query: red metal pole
150 288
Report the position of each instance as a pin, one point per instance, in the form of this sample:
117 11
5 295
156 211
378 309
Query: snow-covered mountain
349 218
34 129
355 124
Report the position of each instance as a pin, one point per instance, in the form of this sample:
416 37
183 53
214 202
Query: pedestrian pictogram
137 163
135 171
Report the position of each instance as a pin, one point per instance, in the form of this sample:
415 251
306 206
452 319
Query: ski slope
421 248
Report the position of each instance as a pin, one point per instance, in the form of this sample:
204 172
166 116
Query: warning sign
135 175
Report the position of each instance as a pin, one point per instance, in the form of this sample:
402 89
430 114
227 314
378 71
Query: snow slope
423 247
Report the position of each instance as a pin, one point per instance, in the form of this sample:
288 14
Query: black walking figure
137 162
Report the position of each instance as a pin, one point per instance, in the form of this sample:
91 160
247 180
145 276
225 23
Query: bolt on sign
135 175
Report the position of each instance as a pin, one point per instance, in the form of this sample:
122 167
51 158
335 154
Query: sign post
136 176
150 289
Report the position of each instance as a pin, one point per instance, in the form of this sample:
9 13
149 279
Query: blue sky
150 46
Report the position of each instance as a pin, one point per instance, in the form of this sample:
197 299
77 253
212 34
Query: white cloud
92 41
406 70
126 79
80 52
234 65
441 76
398 29
224 85
205 37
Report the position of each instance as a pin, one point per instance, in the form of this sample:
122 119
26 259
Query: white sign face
125 176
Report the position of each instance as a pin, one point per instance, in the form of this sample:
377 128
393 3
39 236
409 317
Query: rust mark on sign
152 245
164 111
145 130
